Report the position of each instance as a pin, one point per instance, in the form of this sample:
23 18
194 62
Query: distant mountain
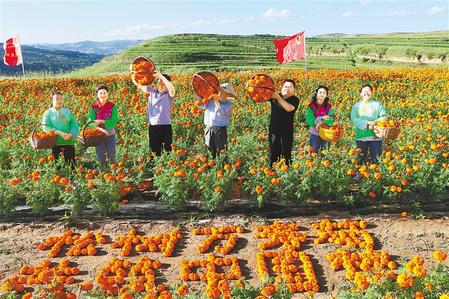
430 34
40 60
91 47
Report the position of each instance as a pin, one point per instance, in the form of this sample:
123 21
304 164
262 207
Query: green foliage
174 184
104 197
215 184
438 278
8 197
77 199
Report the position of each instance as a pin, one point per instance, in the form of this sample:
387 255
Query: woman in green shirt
104 114
364 115
62 121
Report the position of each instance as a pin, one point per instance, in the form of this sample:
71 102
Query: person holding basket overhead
160 100
104 115
63 123
280 132
217 114
319 112
364 115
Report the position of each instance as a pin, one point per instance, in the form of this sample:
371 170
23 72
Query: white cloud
271 13
435 10
350 14
203 22
139 29
365 2
396 13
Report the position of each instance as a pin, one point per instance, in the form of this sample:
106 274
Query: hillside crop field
183 52
392 256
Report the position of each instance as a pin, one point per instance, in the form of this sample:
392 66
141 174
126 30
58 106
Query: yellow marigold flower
439 256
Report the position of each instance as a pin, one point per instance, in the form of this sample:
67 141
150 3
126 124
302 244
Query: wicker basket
41 143
91 140
388 133
144 75
331 133
260 88
205 84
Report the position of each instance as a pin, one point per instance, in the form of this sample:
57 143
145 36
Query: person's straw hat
227 87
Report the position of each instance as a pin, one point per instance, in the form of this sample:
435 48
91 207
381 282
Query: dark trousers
375 150
107 146
161 137
216 139
68 151
317 143
280 145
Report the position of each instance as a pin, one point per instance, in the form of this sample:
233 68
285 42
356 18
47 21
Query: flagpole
20 48
21 55
23 68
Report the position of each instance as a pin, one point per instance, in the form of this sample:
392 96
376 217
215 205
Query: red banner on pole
13 52
290 48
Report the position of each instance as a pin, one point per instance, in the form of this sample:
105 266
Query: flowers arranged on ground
283 266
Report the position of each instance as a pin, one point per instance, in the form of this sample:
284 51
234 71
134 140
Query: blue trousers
374 147
317 143
107 146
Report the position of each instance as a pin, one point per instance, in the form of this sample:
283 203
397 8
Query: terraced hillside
187 52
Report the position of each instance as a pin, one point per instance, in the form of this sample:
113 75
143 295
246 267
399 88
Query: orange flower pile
260 88
85 244
143 72
363 268
205 86
220 233
90 132
216 283
120 277
43 274
387 124
42 135
359 265
278 233
164 243
82 245
268 290
405 281
351 233
286 264
416 267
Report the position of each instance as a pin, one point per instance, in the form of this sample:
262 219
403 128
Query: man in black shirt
283 108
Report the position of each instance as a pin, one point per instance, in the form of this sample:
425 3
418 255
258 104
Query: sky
45 21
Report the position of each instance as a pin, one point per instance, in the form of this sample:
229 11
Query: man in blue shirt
216 118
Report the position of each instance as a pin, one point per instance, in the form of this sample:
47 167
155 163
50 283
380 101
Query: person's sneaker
357 177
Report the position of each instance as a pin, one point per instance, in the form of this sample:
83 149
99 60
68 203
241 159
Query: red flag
13 53
290 48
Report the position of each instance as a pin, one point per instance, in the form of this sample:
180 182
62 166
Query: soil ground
401 237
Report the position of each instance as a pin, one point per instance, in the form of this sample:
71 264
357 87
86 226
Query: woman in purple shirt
160 100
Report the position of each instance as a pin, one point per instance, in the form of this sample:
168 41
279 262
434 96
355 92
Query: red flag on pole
13 52
290 48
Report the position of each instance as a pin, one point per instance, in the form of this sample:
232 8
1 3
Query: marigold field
134 263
